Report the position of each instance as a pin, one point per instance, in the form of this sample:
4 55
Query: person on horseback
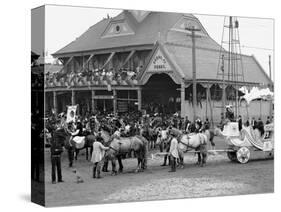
98 156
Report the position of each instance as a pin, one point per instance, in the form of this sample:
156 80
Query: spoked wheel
232 155
243 155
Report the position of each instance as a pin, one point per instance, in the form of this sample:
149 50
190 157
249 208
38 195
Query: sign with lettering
159 63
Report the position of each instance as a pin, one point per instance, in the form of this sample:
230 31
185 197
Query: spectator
240 122
268 120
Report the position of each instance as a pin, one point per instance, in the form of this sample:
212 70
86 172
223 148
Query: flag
71 113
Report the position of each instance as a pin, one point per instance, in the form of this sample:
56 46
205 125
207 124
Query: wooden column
93 101
207 100
55 102
72 97
115 102
139 99
182 98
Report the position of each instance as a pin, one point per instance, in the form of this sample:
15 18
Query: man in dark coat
260 126
268 120
56 151
207 124
240 123
254 123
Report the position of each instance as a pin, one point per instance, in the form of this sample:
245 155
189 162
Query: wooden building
143 60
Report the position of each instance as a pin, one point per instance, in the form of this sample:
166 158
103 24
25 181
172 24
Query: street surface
219 178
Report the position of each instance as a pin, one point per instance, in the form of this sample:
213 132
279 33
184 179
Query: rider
79 129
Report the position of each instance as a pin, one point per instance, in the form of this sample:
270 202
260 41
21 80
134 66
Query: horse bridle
187 145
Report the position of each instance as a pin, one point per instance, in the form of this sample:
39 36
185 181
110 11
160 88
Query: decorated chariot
242 143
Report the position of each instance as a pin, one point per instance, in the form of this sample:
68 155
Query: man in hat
56 149
229 113
174 154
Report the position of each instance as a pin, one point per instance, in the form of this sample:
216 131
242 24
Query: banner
71 113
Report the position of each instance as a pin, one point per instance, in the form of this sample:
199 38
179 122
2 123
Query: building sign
159 63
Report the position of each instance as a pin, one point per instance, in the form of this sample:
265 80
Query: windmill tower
230 66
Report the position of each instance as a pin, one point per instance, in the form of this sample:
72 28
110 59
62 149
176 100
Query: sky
65 23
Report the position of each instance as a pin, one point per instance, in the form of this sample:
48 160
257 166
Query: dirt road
219 177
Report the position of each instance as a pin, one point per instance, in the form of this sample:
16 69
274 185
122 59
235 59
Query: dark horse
126 145
72 147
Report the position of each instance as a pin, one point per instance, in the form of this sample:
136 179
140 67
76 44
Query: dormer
139 15
117 28
188 22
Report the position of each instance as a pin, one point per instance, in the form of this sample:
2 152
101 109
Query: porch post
207 100
115 102
72 97
55 102
182 98
93 101
139 99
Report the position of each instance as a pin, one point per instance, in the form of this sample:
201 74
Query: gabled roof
154 27
207 64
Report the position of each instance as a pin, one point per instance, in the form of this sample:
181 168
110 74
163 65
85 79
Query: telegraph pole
194 84
270 87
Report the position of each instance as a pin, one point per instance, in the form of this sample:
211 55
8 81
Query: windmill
230 67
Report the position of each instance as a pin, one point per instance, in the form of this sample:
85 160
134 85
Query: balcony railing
95 77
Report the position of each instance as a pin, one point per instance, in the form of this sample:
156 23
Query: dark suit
56 150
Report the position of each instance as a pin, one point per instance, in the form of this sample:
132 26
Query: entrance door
104 105
161 95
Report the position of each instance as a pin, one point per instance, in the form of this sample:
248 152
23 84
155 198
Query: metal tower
230 66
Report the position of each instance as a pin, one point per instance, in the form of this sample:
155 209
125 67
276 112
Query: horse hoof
136 171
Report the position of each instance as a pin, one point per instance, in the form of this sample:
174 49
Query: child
97 156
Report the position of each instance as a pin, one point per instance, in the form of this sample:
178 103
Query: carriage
242 143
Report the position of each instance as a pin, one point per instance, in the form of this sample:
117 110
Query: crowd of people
95 75
126 125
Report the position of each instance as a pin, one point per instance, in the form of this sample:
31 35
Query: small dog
78 176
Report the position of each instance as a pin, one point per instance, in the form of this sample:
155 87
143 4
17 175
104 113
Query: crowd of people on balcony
107 76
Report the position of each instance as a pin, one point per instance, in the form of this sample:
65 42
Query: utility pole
270 87
269 63
194 84
223 88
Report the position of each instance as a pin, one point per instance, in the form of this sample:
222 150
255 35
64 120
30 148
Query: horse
124 145
74 145
162 138
150 134
194 141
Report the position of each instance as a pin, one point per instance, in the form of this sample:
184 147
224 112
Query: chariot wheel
232 155
243 155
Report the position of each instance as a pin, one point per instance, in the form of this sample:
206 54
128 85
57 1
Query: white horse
193 141
162 138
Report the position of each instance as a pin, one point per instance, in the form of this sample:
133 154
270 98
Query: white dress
98 152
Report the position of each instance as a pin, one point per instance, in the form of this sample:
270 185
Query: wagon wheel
232 155
243 155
